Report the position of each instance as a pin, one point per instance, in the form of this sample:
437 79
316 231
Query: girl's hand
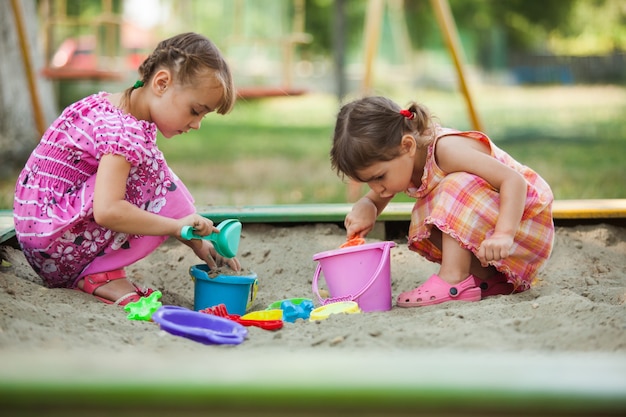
201 225
361 219
206 251
496 247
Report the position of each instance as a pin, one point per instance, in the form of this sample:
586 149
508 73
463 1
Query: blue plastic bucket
237 292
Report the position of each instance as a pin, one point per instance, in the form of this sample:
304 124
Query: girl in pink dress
484 217
96 194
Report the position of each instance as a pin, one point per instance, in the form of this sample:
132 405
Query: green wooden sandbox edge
335 213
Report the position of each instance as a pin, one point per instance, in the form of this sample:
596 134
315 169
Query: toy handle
187 233
316 290
381 264
349 297
314 284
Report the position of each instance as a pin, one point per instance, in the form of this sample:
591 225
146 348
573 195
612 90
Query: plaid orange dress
466 207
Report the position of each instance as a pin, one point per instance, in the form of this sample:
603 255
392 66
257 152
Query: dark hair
187 55
370 130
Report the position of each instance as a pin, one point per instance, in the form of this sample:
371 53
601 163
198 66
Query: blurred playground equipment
88 46
252 45
91 41
77 46
104 47
18 17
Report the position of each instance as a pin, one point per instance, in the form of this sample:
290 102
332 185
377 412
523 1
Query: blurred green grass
275 150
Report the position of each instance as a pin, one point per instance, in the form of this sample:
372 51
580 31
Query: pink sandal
435 290
496 285
94 281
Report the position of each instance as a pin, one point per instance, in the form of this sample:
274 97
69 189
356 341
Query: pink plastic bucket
359 273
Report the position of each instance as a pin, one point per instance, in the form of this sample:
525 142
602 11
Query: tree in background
18 130
571 27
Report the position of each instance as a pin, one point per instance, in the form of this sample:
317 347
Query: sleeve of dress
120 134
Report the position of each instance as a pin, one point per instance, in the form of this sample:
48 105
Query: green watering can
226 242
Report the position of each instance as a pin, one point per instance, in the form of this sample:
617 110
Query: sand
576 309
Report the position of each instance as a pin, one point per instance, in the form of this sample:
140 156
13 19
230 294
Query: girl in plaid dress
96 194
484 217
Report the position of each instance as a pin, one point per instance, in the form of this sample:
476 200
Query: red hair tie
408 114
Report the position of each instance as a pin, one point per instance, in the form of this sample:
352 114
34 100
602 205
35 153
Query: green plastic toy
144 308
226 242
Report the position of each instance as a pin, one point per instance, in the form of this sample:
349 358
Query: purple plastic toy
200 327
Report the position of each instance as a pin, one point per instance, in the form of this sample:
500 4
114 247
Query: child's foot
112 288
495 285
435 290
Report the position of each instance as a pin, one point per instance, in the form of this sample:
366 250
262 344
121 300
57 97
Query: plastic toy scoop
353 241
226 242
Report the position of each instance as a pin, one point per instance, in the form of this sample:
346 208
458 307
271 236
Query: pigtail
420 121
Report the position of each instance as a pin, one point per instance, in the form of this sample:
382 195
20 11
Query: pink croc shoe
496 285
436 291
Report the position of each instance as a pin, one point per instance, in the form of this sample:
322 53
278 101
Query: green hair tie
138 84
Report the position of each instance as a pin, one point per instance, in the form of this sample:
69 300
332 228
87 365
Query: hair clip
408 114
138 84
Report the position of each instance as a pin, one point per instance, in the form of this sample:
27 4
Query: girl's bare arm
112 211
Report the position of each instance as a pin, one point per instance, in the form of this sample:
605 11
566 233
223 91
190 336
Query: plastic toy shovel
226 242
353 241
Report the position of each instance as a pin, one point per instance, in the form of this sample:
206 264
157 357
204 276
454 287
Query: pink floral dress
53 204
466 207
